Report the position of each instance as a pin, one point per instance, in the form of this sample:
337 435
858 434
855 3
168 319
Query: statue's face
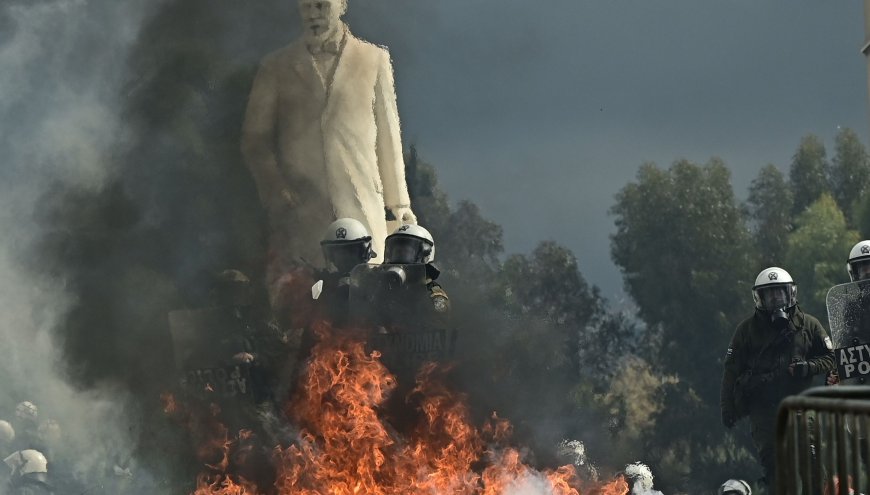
320 18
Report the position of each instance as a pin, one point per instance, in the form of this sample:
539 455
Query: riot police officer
26 473
249 336
858 264
773 353
413 244
409 312
856 317
402 301
853 324
346 244
233 296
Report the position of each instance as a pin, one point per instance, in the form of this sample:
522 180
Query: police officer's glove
729 419
800 369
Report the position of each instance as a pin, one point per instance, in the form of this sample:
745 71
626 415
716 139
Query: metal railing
822 442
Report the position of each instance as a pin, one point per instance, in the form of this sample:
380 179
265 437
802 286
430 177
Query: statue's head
320 18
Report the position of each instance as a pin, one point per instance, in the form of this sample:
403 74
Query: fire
222 485
616 487
350 443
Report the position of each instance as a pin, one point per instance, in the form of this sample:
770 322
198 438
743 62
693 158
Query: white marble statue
321 135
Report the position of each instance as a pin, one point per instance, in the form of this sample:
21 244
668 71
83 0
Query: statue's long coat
335 144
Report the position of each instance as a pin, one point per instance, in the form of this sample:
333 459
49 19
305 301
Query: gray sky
541 111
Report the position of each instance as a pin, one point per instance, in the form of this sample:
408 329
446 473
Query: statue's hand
403 214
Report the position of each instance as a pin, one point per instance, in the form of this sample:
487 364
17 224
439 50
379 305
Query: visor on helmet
774 297
346 255
860 269
405 250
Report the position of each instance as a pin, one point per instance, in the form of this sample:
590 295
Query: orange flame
616 487
347 446
222 485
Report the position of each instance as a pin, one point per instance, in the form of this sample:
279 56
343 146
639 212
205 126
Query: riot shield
386 295
392 301
849 320
204 342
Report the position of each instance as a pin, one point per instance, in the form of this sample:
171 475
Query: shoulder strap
785 334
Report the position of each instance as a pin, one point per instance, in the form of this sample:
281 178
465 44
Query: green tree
862 215
549 284
467 243
808 173
430 202
472 245
769 208
548 346
545 299
817 252
684 249
850 172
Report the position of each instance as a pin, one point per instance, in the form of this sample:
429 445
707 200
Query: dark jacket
757 361
333 303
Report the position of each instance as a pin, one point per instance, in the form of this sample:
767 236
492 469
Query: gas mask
776 301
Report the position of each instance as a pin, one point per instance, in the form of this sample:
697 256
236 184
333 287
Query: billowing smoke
642 479
121 187
62 65
532 484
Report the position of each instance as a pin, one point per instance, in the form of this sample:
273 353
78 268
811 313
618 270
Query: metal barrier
822 442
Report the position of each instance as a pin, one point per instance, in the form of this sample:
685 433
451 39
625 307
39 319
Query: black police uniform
757 377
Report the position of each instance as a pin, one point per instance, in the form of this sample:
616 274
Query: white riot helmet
346 244
7 433
27 463
858 264
410 244
26 411
774 290
732 487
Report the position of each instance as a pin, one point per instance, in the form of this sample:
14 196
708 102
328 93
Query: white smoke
642 479
62 63
533 483
575 452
